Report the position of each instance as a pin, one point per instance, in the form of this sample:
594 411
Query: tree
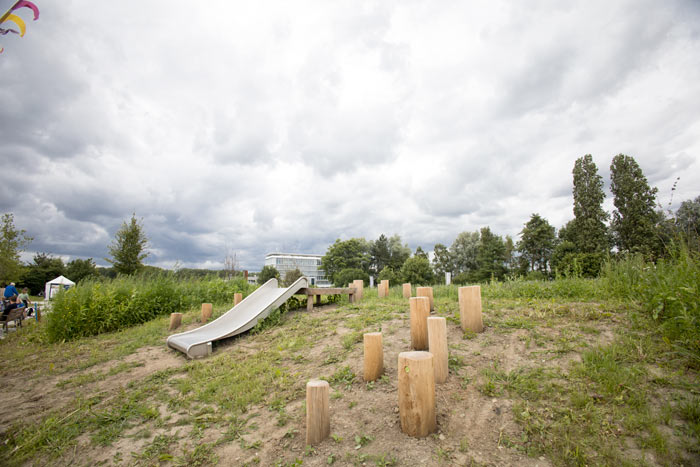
346 276
464 250
230 264
634 218
292 276
268 272
420 252
688 221
417 270
128 247
12 243
588 231
388 274
348 254
537 243
43 269
380 254
509 253
80 269
399 252
491 256
442 260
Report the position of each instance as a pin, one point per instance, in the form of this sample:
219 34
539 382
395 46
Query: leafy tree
417 270
537 243
420 252
128 247
464 252
268 272
380 254
509 253
43 269
491 256
346 276
588 231
399 252
634 218
348 254
442 260
12 243
79 269
388 274
688 221
291 276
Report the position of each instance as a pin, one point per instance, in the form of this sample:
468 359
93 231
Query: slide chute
9 16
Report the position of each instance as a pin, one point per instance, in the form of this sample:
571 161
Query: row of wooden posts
207 310
418 370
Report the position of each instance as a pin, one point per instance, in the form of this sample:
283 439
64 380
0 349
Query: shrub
344 277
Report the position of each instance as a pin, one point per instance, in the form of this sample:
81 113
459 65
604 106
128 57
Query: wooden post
359 285
437 345
175 320
426 292
309 303
374 356
420 310
318 420
407 290
417 393
237 298
206 312
383 289
470 308
37 311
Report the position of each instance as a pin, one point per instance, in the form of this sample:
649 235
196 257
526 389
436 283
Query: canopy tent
59 283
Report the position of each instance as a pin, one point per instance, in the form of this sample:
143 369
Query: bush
344 277
417 270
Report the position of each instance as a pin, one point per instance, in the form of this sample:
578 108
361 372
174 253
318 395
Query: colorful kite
8 16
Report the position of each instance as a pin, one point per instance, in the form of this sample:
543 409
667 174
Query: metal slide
242 317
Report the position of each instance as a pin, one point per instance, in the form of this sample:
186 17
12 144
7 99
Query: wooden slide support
417 393
407 290
206 312
420 310
175 321
374 356
437 345
383 289
426 292
470 308
317 292
318 420
237 298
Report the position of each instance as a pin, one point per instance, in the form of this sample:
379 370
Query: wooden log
470 308
309 303
318 421
407 290
206 312
420 310
237 298
175 321
374 356
437 345
359 286
383 289
417 393
426 292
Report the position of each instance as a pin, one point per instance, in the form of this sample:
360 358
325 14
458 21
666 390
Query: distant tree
464 251
420 252
346 276
417 270
79 269
510 262
380 254
568 259
688 221
388 274
230 263
268 272
588 231
491 256
12 243
537 243
291 276
348 254
634 218
128 247
43 269
399 252
442 260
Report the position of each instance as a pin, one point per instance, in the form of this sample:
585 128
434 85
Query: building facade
309 265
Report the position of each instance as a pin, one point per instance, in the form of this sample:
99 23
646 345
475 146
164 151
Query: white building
309 265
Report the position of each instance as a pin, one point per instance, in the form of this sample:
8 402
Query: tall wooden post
417 393
437 345
426 292
237 298
206 312
318 420
383 290
374 356
470 308
420 310
360 286
407 290
175 320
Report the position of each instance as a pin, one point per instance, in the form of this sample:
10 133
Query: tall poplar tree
537 243
128 247
588 231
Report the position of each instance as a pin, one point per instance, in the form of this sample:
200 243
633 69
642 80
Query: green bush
346 276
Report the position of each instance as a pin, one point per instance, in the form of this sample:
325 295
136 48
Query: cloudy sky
274 125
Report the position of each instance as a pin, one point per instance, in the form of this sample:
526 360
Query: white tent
59 283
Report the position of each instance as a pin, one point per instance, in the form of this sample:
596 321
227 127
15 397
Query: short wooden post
437 345
383 289
309 303
374 356
175 320
420 310
426 292
206 312
359 285
318 421
237 298
407 290
417 393
470 308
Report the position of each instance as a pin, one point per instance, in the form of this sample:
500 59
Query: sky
277 126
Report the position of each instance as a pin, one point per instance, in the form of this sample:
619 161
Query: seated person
14 303
11 291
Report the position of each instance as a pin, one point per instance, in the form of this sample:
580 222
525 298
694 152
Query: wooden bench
16 315
311 292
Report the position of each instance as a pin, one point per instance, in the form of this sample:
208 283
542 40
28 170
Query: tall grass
517 288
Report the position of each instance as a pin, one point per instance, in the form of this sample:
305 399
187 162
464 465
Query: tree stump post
175 321
374 356
426 292
318 420
417 393
237 298
383 290
360 286
437 345
420 310
206 312
407 290
470 308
